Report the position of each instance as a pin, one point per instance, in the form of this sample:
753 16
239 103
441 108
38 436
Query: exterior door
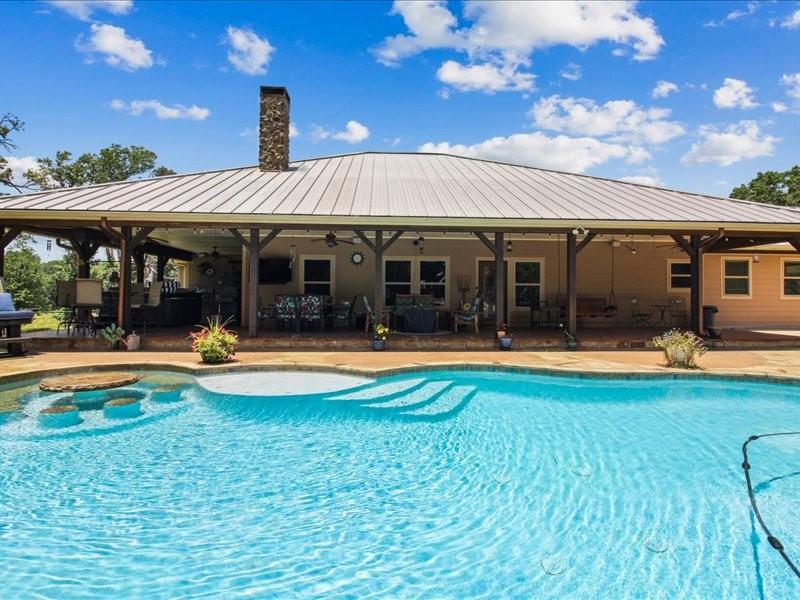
486 286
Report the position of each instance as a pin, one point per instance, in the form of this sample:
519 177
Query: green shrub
214 341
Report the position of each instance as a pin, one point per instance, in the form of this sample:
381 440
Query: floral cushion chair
285 310
312 310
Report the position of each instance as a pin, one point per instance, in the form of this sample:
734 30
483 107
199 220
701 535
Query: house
383 224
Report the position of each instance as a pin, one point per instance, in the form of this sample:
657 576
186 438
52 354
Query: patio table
662 320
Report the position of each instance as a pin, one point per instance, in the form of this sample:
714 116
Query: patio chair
640 318
11 322
88 298
151 303
677 311
469 316
286 310
65 296
312 310
265 312
344 312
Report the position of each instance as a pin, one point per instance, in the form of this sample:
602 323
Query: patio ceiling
399 190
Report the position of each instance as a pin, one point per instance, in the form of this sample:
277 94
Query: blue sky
566 86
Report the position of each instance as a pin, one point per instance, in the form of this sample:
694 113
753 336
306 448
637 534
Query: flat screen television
274 270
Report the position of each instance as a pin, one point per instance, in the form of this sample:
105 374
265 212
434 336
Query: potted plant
214 342
681 348
380 333
504 337
570 340
114 335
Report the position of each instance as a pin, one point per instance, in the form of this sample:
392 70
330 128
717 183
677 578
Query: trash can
710 321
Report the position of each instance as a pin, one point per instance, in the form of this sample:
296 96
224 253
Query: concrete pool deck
780 364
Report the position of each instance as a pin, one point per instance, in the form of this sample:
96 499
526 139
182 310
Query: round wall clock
357 258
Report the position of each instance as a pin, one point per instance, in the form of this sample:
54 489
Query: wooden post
161 265
696 283
138 259
499 278
7 235
252 284
378 278
124 302
572 279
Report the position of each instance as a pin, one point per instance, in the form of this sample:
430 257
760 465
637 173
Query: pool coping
200 369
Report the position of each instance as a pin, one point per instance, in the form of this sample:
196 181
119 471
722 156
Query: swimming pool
442 484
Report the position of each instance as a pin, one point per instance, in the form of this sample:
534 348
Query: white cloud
642 179
293 130
734 93
779 107
572 72
116 47
443 93
792 84
792 21
136 108
663 89
740 141
249 54
734 15
619 120
393 142
502 36
539 150
353 133
19 165
83 9
488 78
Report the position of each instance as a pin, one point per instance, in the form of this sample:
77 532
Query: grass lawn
42 322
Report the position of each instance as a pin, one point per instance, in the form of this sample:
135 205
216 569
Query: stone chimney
273 129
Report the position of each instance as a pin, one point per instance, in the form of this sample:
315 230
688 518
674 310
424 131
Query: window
317 275
736 277
527 283
679 276
416 275
433 279
397 278
791 278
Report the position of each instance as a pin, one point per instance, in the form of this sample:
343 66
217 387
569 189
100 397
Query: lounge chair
11 322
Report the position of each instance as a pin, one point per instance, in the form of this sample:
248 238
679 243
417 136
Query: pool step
420 396
449 401
382 392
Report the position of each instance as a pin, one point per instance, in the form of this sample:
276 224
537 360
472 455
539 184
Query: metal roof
414 186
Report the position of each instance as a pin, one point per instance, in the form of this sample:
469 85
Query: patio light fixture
509 246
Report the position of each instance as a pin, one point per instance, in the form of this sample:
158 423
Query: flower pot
572 345
378 345
133 342
505 342
681 357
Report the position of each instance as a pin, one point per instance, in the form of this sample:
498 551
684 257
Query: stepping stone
64 415
381 391
122 408
85 382
418 396
446 402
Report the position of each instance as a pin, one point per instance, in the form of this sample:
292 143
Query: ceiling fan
214 255
331 240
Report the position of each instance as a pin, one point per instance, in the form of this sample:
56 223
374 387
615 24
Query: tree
772 187
26 281
9 124
114 163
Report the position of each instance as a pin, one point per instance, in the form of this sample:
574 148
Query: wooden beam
252 284
365 239
696 284
377 282
485 241
140 236
499 279
161 265
124 302
712 239
268 238
734 243
795 242
683 244
392 240
572 280
585 242
9 235
238 235
139 261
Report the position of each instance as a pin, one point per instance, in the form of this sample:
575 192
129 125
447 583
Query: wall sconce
419 243
509 246
580 231
631 249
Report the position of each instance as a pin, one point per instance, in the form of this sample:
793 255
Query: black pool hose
773 541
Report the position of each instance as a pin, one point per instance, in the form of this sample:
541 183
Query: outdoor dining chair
312 310
286 310
469 316
639 317
344 311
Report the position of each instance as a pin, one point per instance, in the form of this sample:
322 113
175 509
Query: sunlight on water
434 485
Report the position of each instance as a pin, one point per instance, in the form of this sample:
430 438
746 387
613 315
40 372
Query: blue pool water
437 485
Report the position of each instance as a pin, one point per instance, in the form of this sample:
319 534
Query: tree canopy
114 163
9 124
772 187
